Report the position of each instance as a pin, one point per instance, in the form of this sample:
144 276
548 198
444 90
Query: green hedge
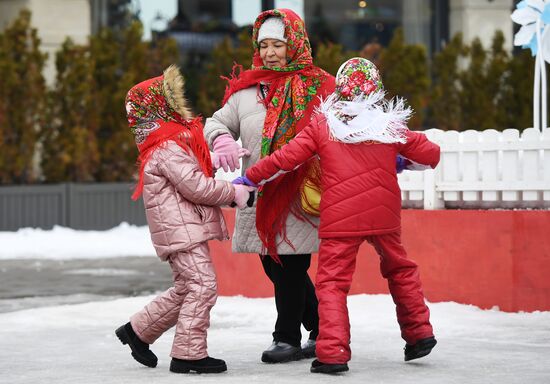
79 126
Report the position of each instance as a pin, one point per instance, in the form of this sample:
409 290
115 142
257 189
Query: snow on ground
61 243
76 344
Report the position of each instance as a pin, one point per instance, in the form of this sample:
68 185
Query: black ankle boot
308 349
140 349
206 365
420 349
280 352
318 367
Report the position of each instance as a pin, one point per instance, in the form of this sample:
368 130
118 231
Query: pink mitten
227 153
242 193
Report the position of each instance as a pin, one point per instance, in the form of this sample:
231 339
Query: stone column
416 22
481 18
72 19
55 20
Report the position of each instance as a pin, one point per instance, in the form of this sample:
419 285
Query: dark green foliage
405 73
121 61
476 88
330 56
223 58
129 57
22 99
162 53
476 101
515 108
373 52
70 147
87 137
497 69
79 127
445 106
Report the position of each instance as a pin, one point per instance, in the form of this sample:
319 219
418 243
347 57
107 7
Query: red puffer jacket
360 193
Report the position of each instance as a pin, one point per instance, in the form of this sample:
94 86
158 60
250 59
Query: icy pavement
27 283
76 344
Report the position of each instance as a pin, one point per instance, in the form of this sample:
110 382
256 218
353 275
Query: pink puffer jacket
181 202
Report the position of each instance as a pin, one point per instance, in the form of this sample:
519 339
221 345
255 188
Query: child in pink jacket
182 202
357 136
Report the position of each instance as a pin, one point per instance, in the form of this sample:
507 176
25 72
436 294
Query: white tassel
372 118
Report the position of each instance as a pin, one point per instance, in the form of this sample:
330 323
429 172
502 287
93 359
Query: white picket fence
487 169
479 170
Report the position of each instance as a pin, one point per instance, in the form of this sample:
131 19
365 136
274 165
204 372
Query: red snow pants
334 274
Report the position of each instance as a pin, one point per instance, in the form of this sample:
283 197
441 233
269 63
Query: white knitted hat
272 28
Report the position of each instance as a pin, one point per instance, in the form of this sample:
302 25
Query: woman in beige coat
266 107
182 202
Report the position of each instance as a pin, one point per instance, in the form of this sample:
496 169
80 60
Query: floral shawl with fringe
294 93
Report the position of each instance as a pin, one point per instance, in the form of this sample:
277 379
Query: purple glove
243 180
227 153
400 163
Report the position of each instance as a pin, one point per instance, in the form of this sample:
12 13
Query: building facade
351 23
55 20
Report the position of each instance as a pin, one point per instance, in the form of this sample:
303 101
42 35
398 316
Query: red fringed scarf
188 135
154 121
294 93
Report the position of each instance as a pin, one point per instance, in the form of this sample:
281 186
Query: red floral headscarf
356 77
294 93
157 112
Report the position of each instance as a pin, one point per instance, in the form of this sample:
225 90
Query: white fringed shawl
366 118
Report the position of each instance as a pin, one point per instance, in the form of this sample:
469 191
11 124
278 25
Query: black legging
294 297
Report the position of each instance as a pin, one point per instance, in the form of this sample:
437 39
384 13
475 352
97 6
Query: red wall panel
484 258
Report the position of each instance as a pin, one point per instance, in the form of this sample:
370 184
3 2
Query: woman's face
273 53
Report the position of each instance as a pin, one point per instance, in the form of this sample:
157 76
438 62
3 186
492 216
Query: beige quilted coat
181 203
243 117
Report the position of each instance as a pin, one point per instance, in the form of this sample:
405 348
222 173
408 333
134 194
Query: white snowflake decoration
534 18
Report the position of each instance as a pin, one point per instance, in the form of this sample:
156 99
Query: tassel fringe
367 118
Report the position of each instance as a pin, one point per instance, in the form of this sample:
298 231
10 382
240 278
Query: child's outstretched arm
420 150
289 157
183 171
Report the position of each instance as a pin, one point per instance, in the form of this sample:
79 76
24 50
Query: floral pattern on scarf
357 77
290 100
358 112
145 105
293 95
153 122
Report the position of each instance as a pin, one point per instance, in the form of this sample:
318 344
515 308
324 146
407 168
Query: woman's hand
227 153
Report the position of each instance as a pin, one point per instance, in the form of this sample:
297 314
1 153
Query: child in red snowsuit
357 136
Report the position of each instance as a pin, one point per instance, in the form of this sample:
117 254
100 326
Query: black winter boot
318 367
420 349
308 349
140 349
280 352
206 365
